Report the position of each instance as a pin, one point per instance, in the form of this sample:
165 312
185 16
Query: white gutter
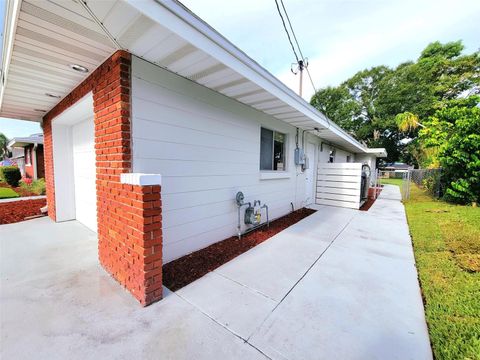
187 25
379 152
11 18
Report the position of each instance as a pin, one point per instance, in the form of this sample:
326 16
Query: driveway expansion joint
224 326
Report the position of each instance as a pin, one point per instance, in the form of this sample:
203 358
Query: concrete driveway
339 284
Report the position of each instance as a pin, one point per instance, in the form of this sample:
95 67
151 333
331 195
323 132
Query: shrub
11 174
27 181
35 186
454 130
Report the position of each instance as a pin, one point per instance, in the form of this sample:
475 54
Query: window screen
272 150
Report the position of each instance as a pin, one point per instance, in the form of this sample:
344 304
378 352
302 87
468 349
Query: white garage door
84 173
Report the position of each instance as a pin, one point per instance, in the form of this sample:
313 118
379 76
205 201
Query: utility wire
291 28
296 41
288 34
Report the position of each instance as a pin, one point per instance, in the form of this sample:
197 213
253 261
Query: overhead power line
302 61
286 31
291 28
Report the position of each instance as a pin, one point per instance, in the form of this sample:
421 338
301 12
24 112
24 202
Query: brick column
128 214
136 236
48 160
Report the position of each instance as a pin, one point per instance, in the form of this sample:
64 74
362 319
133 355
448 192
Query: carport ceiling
48 37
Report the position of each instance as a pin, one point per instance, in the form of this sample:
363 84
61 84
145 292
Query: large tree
3 146
373 103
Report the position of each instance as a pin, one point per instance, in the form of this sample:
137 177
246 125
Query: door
310 175
83 151
40 163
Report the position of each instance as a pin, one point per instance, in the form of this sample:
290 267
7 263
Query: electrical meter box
299 156
305 163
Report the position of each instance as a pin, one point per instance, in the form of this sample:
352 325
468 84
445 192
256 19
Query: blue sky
339 37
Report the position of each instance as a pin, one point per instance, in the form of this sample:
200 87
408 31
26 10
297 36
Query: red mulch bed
183 271
15 211
370 201
20 191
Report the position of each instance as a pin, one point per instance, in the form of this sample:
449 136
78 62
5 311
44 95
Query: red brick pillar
128 211
48 160
132 248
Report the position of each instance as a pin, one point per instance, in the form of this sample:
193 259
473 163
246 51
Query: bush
454 131
27 181
11 174
35 186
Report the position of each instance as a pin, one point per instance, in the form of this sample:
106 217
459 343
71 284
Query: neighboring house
153 122
28 154
397 166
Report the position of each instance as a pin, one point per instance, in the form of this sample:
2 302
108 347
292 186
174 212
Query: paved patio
339 284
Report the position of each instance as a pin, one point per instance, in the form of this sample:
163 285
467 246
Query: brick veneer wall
48 164
129 217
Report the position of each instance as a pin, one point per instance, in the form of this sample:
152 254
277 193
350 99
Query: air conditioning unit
365 182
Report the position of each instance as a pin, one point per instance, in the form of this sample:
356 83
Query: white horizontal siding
206 147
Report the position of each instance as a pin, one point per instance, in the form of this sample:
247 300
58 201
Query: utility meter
299 156
239 198
252 216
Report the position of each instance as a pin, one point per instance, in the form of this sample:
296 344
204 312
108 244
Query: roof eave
11 18
187 25
22 142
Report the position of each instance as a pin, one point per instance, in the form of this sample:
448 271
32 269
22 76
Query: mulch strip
20 191
16 211
183 271
370 201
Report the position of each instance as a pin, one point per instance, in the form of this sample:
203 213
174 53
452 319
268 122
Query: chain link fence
427 179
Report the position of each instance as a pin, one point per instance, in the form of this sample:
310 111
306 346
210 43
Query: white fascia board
178 19
12 11
379 152
23 141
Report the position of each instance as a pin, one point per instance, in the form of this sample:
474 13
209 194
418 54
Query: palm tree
3 146
407 121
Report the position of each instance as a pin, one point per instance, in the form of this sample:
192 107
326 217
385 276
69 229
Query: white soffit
50 35
165 33
46 37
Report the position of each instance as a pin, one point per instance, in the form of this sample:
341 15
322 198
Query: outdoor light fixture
78 68
53 95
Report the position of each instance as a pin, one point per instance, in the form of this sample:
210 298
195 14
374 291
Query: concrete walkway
339 284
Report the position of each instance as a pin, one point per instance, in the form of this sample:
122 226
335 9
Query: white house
142 101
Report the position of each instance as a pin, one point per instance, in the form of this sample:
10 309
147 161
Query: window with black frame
272 150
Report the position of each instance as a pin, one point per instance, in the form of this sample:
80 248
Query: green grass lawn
6 193
391 181
446 241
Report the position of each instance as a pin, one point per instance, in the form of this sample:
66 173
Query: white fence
338 184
